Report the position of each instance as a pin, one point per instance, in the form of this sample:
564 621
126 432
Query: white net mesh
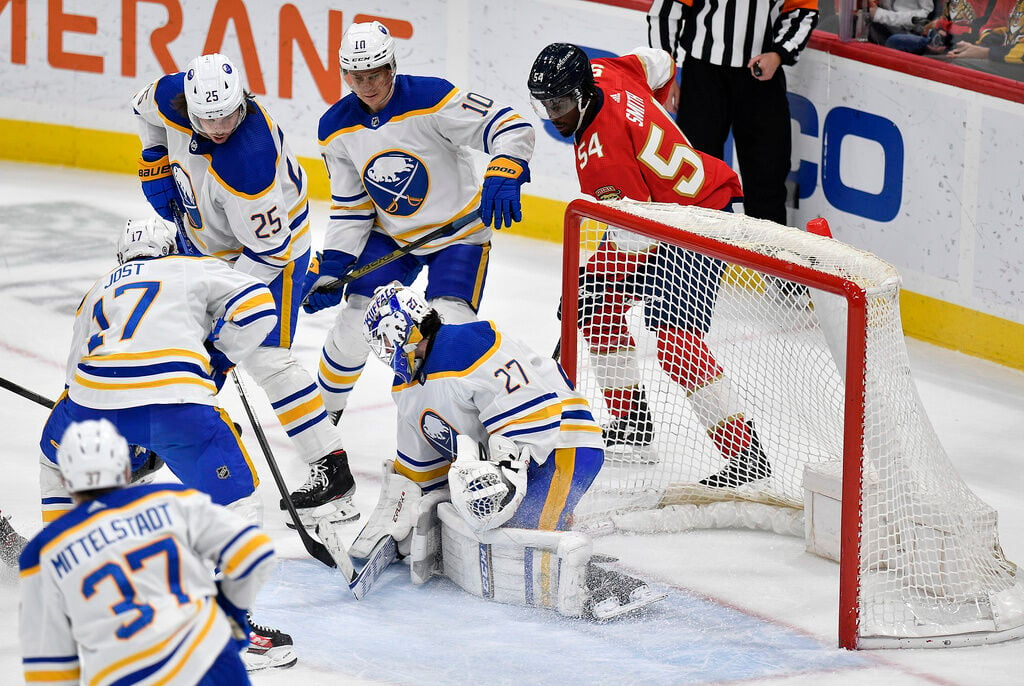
718 384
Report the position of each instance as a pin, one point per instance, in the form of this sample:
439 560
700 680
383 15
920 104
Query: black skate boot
629 438
327 493
11 543
145 463
750 465
267 648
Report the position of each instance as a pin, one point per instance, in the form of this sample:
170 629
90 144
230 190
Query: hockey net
806 340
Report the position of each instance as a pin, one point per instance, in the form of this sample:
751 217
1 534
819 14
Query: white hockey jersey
139 332
476 381
245 199
407 169
121 589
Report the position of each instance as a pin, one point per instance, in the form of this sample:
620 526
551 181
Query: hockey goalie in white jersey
214 154
121 589
496 427
398 151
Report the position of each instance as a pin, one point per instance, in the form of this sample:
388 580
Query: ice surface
747 607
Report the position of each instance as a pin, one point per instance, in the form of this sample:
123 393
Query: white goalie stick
381 557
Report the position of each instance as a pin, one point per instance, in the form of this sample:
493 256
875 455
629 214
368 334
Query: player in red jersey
627 146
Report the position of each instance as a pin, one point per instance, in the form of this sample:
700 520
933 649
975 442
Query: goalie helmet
151 237
391 327
367 46
92 455
213 90
560 79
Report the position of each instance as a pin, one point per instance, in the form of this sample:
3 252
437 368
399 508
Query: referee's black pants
713 99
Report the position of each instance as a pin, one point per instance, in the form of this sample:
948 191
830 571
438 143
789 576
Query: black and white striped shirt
730 32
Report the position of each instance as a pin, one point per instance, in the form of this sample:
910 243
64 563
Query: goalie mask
151 237
391 327
215 96
92 455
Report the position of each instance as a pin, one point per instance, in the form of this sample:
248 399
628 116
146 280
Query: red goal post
806 332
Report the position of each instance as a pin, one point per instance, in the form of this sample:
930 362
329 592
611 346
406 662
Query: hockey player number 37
136 560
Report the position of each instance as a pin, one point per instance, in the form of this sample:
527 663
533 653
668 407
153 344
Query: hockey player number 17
149 290
136 560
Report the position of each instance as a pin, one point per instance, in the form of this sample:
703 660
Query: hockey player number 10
136 560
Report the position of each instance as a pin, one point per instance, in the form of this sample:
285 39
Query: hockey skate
267 648
628 440
149 463
613 594
335 416
327 493
11 543
750 465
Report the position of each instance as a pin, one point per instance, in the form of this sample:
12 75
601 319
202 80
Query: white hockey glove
484 493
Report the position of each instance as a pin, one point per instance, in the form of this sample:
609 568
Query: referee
732 51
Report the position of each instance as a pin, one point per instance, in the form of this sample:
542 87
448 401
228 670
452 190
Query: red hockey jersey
633 149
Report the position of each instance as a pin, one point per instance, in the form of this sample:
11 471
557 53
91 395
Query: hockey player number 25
136 560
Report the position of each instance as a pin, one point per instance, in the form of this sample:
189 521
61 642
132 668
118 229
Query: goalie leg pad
425 546
394 515
516 566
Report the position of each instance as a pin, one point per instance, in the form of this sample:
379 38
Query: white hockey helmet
213 90
391 327
151 237
92 455
367 46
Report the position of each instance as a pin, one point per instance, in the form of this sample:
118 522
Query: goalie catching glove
487 492
326 268
158 182
500 205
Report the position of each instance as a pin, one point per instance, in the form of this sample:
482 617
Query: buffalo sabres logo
397 182
439 434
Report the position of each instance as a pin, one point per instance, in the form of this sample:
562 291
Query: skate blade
335 512
604 613
281 657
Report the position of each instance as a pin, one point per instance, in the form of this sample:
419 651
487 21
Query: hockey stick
381 557
314 547
25 393
390 257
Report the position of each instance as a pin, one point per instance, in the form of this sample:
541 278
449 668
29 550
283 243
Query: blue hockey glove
157 181
328 266
238 617
499 203
220 365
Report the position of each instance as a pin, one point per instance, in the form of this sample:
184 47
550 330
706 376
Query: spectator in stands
892 17
961 20
1001 39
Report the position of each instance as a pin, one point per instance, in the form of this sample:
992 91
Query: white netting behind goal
719 384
